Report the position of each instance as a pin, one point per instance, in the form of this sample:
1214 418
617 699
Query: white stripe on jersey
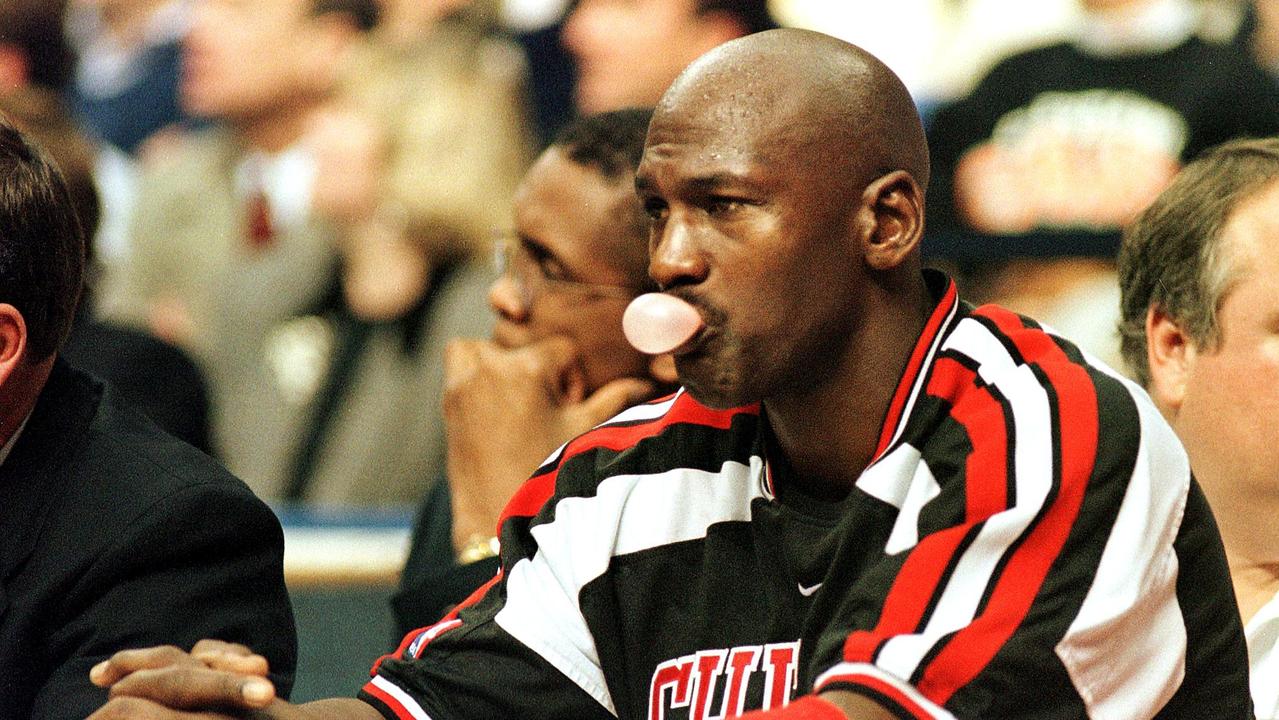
643 412
1033 468
1120 668
867 670
631 414
407 703
885 481
627 514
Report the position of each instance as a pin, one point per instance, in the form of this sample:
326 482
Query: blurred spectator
1200 276
416 163
629 51
420 156
226 255
1058 147
126 79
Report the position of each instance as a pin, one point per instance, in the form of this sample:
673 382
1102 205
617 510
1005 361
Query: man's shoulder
677 427
673 434
123 456
993 347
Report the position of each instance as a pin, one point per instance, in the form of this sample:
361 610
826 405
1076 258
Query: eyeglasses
534 278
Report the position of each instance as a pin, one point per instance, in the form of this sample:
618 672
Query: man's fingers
615 397
555 352
220 646
241 664
125 662
231 657
193 687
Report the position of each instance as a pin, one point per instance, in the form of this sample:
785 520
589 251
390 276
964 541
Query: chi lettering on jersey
716 684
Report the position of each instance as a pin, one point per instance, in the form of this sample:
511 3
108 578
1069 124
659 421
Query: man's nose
675 258
508 299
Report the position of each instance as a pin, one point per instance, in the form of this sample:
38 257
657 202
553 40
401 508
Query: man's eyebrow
533 245
715 181
700 184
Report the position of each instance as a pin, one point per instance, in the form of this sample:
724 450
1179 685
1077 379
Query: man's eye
551 269
723 206
655 209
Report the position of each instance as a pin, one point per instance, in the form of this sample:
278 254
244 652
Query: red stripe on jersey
897 407
912 590
395 705
987 479
535 493
888 690
973 647
982 416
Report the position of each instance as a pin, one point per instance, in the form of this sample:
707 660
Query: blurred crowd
294 202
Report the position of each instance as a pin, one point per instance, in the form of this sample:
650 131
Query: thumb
615 397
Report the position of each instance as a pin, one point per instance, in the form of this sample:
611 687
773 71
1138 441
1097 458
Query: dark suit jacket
115 535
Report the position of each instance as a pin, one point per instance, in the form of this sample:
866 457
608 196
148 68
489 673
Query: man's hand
506 410
152 682
215 681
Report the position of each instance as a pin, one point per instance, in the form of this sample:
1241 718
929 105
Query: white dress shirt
1263 660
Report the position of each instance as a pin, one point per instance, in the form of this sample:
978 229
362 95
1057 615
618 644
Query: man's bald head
796 90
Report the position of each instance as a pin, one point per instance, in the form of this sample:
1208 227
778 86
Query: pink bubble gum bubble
657 323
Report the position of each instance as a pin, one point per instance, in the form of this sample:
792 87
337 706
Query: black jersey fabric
1027 542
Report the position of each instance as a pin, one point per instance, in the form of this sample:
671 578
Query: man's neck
829 432
1256 583
275 132
1248 532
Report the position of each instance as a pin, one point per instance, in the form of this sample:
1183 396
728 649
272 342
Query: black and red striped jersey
1027 543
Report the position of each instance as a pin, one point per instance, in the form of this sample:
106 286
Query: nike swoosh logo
806 591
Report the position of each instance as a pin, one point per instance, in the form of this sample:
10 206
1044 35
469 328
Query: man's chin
715 397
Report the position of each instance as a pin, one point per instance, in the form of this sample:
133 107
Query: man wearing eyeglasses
557 363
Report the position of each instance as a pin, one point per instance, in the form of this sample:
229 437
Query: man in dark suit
112 533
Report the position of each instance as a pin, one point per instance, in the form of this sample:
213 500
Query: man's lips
507 337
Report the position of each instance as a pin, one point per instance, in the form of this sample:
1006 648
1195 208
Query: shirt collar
8 446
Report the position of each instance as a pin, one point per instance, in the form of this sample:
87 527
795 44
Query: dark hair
363 13
752 14
42 248
35 28
1171 257
611 142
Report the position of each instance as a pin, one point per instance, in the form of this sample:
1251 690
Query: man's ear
1170 355
15 68
715 28
13 341
891 219
662 368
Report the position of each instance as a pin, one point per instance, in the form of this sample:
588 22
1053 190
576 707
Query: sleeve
520 646
205 562
432 581
1031 570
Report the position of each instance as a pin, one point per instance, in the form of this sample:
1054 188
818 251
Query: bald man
868 501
